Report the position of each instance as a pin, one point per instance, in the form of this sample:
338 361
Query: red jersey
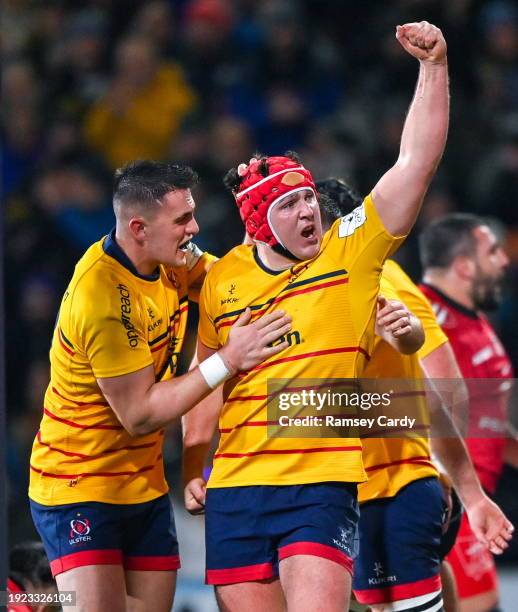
479 354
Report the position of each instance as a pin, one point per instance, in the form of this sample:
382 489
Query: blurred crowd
89 85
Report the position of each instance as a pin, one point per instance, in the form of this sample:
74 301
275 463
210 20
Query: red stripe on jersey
79 403
423 460
63 345
248 424
161 345
340 349
92 457
293 451
84 474
340 281
78 425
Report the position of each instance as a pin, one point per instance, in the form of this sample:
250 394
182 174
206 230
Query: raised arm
399 193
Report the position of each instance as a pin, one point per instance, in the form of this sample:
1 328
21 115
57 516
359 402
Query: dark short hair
336 199
141 183
447 238
28 563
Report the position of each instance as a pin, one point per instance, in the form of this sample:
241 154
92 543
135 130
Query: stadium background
90 85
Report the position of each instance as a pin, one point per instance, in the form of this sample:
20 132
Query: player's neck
453 288
136 254
272 260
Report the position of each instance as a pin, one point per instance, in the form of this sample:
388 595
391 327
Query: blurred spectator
20 124
29 572
274 97
143 108
76 198
498 67
155 21
207 51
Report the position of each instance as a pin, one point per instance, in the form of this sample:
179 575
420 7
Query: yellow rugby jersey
392 463
112 321
331 299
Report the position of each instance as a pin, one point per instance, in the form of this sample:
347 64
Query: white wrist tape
214 370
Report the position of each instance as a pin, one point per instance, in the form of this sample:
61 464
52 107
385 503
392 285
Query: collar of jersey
472 314
263 266
111 248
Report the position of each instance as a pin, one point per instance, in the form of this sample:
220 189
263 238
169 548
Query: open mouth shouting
309 232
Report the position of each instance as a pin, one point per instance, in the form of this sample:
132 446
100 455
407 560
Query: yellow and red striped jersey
331 299
392 463
112 321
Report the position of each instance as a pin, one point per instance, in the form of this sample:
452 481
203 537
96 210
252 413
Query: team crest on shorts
80 529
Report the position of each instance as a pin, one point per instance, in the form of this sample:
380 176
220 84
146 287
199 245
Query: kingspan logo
131 333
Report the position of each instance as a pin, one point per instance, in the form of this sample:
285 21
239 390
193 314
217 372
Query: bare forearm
453 391
168 400
399 193
199 427
194 460
453 456
426 126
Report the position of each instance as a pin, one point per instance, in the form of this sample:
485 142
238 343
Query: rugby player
281 514
97 489
464 265
402 505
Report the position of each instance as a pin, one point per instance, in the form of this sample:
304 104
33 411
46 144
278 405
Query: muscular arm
398 195
441 364
487 521
143 405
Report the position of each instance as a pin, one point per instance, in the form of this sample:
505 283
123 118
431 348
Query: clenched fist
422 40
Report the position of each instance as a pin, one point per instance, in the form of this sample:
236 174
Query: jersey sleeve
207 332
419 305
388 291
198 264
361 233
111 329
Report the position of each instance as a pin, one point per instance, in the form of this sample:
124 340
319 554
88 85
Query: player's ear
138 227
465 267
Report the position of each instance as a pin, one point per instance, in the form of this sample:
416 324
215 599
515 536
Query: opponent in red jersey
464 265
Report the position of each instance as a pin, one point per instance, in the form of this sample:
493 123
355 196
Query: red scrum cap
258 194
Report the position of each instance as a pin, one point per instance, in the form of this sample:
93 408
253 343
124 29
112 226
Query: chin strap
279 249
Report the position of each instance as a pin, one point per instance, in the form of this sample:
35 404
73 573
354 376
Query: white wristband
214 370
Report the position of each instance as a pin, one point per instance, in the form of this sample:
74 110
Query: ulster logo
79 531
